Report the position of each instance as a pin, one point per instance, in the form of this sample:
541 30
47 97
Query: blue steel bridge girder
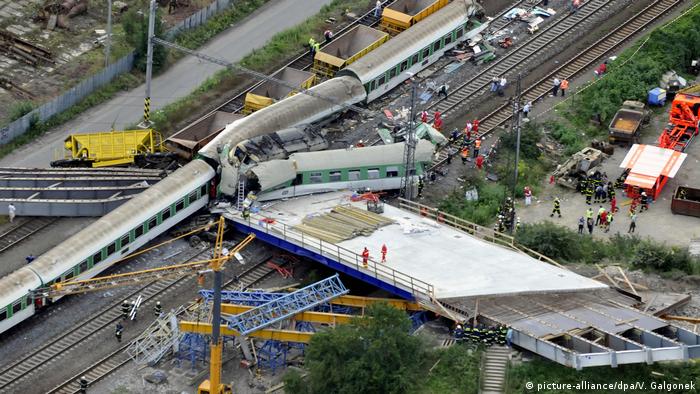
242 297
287 306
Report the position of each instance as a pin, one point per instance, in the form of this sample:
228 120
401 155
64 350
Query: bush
655 257
135 24
456 372
554 241
19 109
530 136
482 211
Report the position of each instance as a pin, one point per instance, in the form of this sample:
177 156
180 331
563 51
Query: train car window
354 175
152 223
448 39
437 46
392 73
83 266
165 214
67 276
414 59
138 231
426 52
392 172
28 301
16 307
381 80
335 176
3 314
97 257
460 32
203 190
316 177
180 206
373 173
192 197
404 65
111 248
124 241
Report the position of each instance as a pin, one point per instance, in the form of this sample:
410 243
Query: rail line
574 66
467 91
23 230
54 349
111 362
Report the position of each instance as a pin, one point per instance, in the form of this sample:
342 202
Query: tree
372 354
136 28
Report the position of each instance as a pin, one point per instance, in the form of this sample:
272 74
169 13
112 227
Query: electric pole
149 65
108 46
516 127
410 150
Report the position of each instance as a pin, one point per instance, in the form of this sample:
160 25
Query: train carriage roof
411 41
17 284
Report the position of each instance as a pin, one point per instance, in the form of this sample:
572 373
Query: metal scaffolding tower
287 306
157 340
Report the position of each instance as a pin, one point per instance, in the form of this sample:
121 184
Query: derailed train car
130 226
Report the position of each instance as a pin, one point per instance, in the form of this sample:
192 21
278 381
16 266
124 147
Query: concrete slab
455 263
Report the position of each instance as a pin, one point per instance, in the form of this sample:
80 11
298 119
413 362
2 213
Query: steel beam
313 317
265 333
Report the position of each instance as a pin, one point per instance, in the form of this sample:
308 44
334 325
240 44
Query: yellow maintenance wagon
402 14
346 49
112 148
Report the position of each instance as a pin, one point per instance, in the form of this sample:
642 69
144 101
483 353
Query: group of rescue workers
483 335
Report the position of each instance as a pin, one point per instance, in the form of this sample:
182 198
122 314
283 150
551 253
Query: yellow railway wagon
111 148
403 14
268 92
347 49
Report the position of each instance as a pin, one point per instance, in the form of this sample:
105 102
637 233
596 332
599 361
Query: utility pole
410 149
149 65
108 46
516 127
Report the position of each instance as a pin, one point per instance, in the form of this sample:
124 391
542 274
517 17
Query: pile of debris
57 12
23 50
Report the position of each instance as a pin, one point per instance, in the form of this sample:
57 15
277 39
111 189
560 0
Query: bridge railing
418 288
474 229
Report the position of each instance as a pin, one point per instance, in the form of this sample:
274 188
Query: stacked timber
341 223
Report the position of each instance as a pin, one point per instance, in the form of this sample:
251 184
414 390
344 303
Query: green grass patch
566 245
124 82
456 371
540 371
19 109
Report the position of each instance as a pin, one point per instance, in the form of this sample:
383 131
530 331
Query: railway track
587 57
103 367
39 358
465 93
23 230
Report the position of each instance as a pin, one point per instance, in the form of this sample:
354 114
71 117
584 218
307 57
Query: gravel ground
40 242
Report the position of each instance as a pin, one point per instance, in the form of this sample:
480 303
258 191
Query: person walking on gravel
11 212
555 86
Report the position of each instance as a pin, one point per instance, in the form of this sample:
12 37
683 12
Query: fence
89 85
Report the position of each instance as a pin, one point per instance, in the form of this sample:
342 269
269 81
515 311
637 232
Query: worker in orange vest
384 250
563 86
477 146
465 154
365 257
